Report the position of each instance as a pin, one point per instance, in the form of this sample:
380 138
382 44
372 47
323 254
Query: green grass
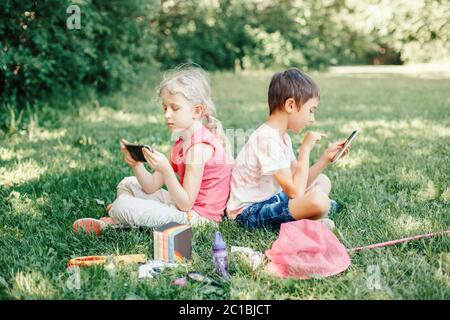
394 183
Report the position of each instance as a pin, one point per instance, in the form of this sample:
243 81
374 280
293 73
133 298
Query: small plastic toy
220 255
100 260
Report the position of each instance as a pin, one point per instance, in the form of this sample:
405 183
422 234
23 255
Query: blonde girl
197 173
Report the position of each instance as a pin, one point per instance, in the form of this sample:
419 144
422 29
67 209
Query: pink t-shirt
215 186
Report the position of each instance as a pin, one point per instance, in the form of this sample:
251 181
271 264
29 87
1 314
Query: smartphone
346 145
136 151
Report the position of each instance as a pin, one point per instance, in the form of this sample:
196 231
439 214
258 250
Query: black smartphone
135 151
346 145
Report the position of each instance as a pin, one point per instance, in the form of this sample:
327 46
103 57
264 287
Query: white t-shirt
252 178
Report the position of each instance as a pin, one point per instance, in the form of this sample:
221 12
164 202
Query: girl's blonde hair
191 81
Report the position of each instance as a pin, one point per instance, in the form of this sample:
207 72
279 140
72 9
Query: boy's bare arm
295 184
325 160
316 169
285 180
301 172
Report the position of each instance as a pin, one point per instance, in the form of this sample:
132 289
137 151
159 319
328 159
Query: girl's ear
198 110
289 105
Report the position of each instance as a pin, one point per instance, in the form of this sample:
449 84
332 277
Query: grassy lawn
394 183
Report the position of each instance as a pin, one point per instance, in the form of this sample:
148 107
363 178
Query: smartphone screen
346 145
136 151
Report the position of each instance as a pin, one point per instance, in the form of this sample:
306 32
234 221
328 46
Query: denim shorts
269 214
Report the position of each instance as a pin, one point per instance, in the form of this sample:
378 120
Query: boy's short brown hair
291 83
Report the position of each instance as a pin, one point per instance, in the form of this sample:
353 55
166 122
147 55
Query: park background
68 94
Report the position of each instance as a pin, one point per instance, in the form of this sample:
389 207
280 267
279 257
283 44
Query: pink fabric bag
307 248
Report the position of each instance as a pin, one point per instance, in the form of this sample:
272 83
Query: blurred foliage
41 57
242 34
418 30
232 34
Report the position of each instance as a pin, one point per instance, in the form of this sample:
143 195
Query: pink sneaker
108 220
90 225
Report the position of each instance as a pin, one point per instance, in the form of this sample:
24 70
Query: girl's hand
157 161
311 138
128 158
333 149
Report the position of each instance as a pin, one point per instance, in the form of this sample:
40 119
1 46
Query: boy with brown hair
269 185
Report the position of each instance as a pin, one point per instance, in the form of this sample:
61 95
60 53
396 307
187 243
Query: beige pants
136 208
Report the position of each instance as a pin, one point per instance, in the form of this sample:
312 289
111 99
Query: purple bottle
220 255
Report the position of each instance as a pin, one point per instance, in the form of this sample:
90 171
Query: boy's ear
289 105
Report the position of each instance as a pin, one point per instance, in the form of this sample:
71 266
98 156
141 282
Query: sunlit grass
394 183
32 286
28 170
38 134
106 115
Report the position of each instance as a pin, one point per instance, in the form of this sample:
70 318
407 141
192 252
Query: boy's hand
311 138
333 149
157 161
128 158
